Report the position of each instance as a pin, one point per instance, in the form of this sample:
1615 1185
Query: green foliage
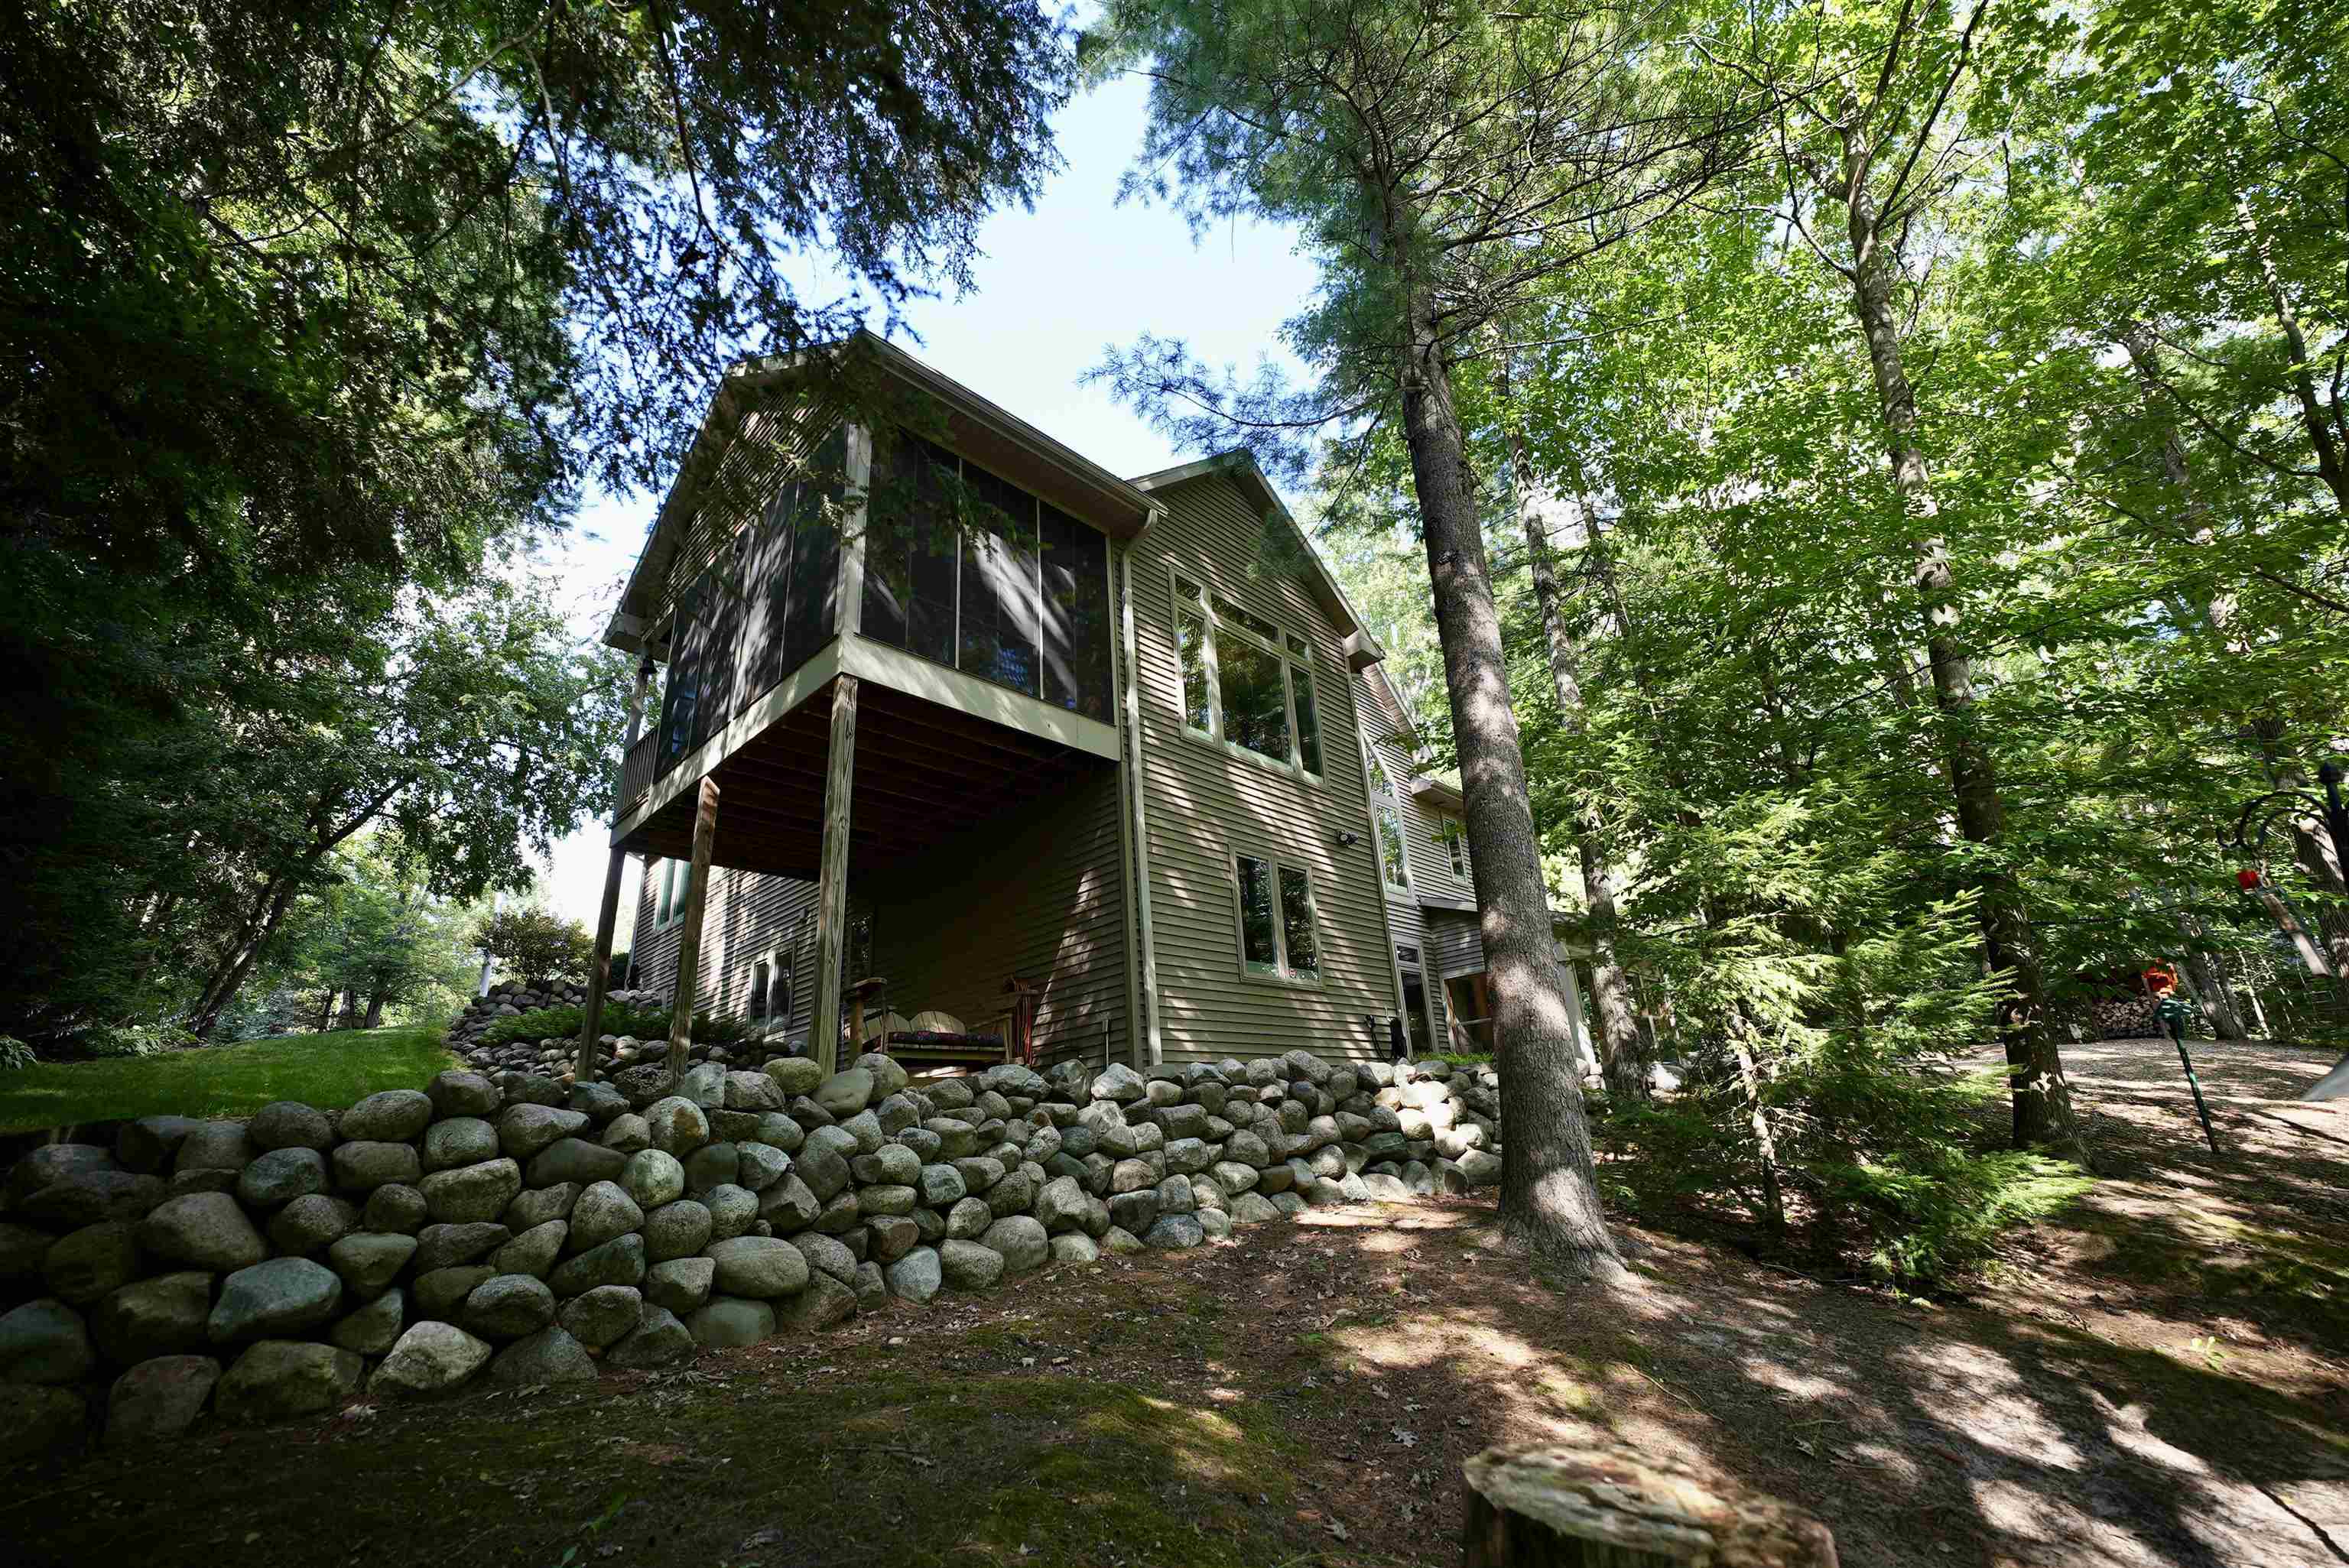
619 1018
536 944
131 1042
14 1053
329 1071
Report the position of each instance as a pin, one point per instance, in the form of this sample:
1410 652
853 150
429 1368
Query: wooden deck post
831 877
688 941
1607 1507
599 972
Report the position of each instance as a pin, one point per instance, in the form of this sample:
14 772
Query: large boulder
148 1144
456 1093
968 1266
507 1307
312 1223
394 1207
843 1094
826 1255
279 1379
44 1341
620 1260
375 1327
370 1259
274 1300
158 1400
677 1229
430 1358
678 1125
472 1194
600 1318
81 1198
525 1130
680 1285
203 1229
162 1316
659 1339
1020 1241
214 1146
758 1166
824 1302
363 1165
533 1251
761 1267
392 1116
550 1355
290 1124
461 1140
754 1091
603 1210
654 1178
535 1205
731 1322
576 1159
1118 1083
795 1075
92 1262
446 1246
916 1277
1175 1232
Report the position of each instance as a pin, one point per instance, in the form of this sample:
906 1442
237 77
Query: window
669 878
1244 682
1455 834
1394 864
970 571
760 973
1280 936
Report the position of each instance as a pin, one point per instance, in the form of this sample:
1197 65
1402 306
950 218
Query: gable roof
1239 466
984 431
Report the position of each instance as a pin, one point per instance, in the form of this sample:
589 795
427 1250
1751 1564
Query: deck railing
635 773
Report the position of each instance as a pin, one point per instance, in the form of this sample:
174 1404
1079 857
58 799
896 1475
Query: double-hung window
1246 684
1455 834
1280 929
669 892
1394 864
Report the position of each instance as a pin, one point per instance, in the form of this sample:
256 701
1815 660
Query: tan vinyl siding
749 918
1431 863
1203 803
1453 945
1037 893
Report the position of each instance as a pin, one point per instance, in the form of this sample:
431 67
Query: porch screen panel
810 619
766 596
683 697
1076 615
722 614
909 553
999 612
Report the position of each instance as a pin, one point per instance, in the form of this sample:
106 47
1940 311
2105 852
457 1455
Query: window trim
1281 974
1290 663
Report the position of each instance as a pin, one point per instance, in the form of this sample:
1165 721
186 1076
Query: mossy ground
329 1071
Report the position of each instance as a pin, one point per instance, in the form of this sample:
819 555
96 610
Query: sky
1054 288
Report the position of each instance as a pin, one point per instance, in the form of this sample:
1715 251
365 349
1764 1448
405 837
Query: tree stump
1540 1507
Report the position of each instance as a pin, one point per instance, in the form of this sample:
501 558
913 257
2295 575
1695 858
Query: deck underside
924 774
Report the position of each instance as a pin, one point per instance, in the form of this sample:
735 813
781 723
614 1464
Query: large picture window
1246 682
1280 934
965 568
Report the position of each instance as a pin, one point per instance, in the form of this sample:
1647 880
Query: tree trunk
1612 1506
222 986
1622 1052
374 1016
1549 1191
2042 1099
350 1010
1757 1120
2322 436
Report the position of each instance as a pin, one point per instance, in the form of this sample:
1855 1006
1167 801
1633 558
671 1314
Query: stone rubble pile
511 1231
555 1056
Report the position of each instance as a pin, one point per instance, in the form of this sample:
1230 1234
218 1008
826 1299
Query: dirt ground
2159 1375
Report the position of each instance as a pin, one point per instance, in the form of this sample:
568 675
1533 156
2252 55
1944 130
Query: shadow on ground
2131 1392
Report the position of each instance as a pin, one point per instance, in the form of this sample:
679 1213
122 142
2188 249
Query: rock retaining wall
512 1231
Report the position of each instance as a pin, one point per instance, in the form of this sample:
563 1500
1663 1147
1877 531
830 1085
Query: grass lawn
329 1071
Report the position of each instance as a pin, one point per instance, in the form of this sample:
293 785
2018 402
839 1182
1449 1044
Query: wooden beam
832 878
688 941
599 972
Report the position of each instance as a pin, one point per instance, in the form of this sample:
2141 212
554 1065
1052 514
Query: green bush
114 1042
14 1053
536 944
619 1018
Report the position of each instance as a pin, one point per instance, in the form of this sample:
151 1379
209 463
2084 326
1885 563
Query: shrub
123 1040
536 944
619 1018
13 1054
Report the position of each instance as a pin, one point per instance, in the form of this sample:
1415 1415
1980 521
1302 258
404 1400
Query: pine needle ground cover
329 1071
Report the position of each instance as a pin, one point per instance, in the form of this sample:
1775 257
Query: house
946 709
1428 881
